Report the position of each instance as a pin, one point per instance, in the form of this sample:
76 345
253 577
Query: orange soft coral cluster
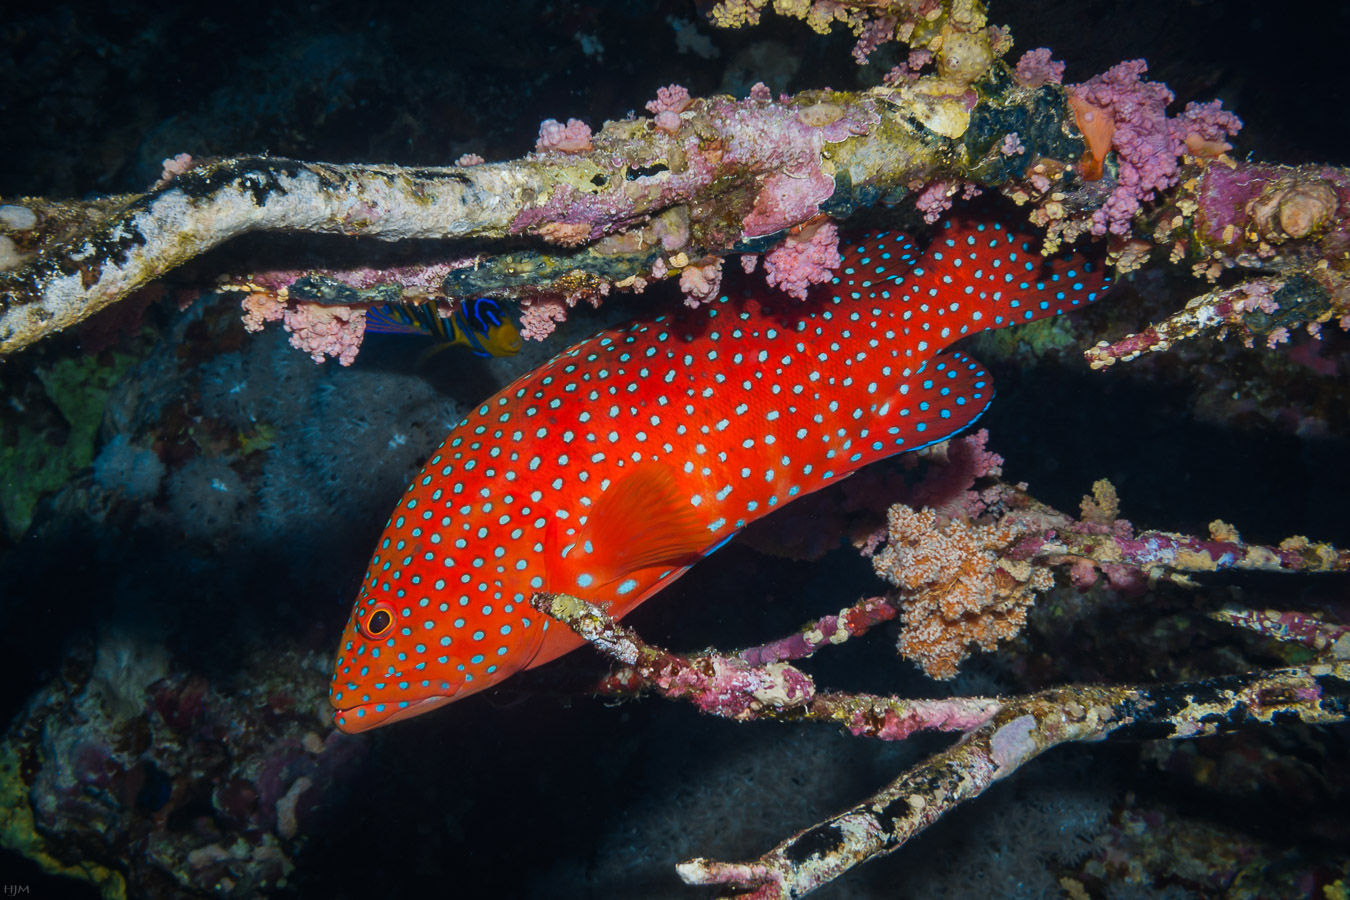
957 590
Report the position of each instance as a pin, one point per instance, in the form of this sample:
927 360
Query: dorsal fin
642 521
871 259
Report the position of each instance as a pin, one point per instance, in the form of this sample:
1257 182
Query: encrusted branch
1286 225
1024 728
1052 537
647 198
831 630
1327 639
968 571
729 686
1001 735
642 198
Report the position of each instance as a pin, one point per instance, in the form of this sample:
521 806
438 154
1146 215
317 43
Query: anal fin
943 398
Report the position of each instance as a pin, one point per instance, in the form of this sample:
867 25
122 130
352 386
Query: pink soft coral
538 318
1036 67
802 260
333 330
701 281
173 167
574 137
674 98
336 331
260 307
669 103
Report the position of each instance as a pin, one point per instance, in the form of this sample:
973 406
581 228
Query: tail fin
400 318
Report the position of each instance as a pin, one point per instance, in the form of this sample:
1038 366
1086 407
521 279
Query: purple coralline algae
1148 144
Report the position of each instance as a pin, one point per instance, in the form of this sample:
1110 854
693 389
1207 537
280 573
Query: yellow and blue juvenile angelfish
480 324
615 467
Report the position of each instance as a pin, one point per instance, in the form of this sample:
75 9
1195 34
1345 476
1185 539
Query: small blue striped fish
480 324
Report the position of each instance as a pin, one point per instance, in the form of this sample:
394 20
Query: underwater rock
135 772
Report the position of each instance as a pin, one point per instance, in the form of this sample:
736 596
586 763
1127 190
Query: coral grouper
616 466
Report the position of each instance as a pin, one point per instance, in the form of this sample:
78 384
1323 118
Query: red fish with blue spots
620 463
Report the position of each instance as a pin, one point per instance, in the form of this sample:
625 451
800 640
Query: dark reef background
188 509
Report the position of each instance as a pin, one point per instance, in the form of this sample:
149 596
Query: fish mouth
365 716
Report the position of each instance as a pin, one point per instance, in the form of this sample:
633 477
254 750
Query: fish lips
365 716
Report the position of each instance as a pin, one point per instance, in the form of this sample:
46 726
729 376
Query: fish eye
378 623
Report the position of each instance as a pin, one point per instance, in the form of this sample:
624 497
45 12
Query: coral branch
1162 554
1024 728
1288 222
852 622
963 584
1000 735
1327 639
730 686
645 201
1216 310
